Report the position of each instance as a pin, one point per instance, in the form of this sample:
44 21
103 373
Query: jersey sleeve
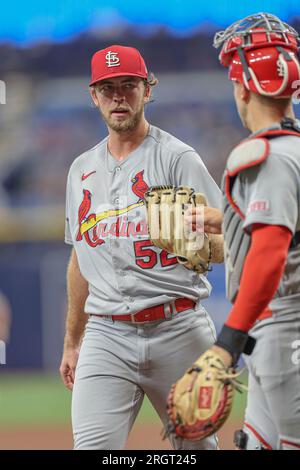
271 193
258 286
68 236
189 170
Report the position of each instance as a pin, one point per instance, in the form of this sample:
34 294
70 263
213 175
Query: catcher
261 224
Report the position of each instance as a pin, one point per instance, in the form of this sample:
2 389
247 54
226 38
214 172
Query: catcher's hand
200 402
167 230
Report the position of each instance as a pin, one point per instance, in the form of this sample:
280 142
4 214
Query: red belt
154 313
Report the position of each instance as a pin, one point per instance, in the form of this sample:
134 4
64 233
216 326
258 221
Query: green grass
33 399
42 400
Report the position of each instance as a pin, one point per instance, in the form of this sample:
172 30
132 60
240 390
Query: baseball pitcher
135 319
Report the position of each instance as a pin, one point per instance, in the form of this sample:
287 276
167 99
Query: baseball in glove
200 402
165 210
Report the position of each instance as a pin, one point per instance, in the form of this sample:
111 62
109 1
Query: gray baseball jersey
106 223
261 185
266 193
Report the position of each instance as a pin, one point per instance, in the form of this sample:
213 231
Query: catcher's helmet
261 53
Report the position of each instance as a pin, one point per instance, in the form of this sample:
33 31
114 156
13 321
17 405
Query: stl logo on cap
112 59
117 61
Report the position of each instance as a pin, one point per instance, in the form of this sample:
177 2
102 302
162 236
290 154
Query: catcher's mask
261 53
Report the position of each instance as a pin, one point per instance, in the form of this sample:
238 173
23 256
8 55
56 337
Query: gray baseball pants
120 362
272 417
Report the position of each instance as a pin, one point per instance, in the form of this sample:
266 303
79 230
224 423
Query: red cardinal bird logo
139 186
83 210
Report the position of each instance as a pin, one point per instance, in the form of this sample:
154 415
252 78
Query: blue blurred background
59 20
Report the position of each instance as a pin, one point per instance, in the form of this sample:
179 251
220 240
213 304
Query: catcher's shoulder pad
249 153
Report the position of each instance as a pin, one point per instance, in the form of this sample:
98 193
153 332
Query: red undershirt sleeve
263 269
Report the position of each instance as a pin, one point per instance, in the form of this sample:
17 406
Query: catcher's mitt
165 209
200 402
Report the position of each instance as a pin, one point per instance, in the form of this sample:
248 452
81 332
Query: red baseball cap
116 61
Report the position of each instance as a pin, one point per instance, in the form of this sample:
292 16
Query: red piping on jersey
254 162
229 197
230 174
275 132
258 436
260 278
289 443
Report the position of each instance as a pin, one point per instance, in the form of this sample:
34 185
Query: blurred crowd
39 151
48 118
